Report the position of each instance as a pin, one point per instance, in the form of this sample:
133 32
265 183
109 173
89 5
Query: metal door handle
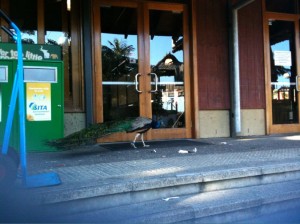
297 83
136 82
156 81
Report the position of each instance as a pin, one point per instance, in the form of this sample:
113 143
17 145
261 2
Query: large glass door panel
167 68
283 72
119 62
141 66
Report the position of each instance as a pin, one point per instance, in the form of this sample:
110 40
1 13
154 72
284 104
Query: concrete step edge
198 206
98 189
204 205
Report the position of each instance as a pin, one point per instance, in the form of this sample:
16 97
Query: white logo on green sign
35 52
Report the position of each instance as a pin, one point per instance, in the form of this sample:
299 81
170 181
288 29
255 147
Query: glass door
141 66
120 69
283 71
167 73
166 32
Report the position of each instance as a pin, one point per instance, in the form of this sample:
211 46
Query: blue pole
21 104
11 111
18 90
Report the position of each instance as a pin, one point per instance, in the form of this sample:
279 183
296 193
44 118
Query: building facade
198 68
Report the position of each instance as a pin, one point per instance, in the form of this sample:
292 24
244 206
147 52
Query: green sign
33 52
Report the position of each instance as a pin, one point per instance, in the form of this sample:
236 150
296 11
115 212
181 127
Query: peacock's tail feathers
90 134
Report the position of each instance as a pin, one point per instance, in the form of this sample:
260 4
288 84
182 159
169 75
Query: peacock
89 135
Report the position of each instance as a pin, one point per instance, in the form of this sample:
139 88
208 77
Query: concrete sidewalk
131 176
174 166
94 165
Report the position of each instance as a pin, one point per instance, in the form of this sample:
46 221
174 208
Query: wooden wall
213 61
252 78
213 55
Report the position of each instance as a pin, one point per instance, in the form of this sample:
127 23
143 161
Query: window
283 6
52 22
21 13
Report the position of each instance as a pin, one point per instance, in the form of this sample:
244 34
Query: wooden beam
41 22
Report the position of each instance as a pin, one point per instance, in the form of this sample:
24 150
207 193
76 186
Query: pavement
120 168
163 158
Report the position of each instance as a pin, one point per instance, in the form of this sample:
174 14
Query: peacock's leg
133 143
142 138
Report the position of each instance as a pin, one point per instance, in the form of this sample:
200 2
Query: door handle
156 81
136 82
297 83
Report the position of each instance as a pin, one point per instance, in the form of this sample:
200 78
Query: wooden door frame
97 51
143 64
97 62
174 132
270 127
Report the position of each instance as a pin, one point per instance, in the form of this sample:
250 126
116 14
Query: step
127 190
230 205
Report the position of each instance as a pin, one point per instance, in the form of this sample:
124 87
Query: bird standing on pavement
89 135
140 125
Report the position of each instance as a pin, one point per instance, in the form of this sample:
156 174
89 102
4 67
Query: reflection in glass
119 62
166 58
58 32
283 6
24 15
57 24
283 72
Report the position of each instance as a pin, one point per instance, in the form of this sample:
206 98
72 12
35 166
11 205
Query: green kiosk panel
44 100
6 84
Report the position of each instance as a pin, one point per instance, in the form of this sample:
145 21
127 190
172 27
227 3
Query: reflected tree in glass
116 67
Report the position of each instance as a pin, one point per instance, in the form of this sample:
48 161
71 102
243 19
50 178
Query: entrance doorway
282 96
142 66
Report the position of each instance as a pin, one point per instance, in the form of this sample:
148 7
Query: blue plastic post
18 91
40 180
21 104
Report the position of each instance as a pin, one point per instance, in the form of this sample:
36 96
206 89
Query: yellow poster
38 101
